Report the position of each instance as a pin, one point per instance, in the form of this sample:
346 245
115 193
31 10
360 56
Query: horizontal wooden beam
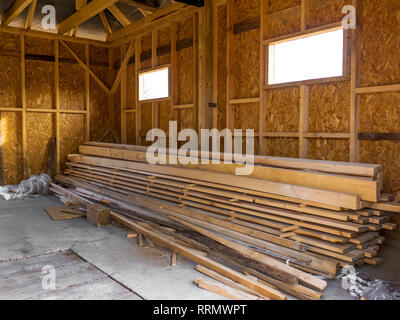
378 89
306 82
90 10
379 136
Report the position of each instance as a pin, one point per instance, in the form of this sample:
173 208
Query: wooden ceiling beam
16 8
138 5
79 4
122 19
173 9
93 8
31 14
105 22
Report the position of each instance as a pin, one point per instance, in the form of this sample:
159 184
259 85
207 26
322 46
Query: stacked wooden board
315 215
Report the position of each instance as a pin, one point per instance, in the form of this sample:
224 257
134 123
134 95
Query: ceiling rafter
90 10
31 13
122 19
104 21
15 10
79 4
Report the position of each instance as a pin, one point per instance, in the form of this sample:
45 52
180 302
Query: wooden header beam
93 8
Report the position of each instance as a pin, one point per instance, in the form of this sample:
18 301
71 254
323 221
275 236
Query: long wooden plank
213 265
298 192
311 280
357 169
366 189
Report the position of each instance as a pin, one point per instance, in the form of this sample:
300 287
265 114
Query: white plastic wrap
34 186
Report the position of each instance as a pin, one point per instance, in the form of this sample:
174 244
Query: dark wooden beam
379 136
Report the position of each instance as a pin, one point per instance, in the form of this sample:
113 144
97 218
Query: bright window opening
154 84
314 56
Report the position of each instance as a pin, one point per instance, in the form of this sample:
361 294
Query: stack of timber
311 215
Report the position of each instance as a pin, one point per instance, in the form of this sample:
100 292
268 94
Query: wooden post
196 62
303 123
215 66
230 117
138 106
154 63
57 101
23 98
206 62
174 73
87 94
263 72
123 97
354 97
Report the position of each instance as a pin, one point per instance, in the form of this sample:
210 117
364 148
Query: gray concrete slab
26 230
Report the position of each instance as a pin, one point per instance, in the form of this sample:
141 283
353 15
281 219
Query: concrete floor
26 230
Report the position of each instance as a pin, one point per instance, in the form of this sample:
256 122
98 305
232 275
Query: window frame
304 34
144 71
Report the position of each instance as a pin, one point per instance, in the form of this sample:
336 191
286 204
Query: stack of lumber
308 215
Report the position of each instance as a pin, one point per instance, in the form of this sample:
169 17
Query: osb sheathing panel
381 113
244 10
221 68
185 62
39 84
34 45
146 121
72 87
387 154
281 26
164 115
130 86
186 119
98 55
72 79
283 147
278 5
99 121
40 128
164 39
323 14
146 45
11 133
380 44
282 114
72 134
245 59
131 128
329 149
329 107
247 116
10 75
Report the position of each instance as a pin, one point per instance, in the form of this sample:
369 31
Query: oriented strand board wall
40 94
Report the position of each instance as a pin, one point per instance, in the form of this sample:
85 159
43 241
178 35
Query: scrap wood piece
252 254
140 240
173 259
224 290
218 267
296 290
58 214
389 226
229 282
374 261
131 234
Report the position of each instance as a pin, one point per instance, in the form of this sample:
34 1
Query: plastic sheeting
366 289
32 187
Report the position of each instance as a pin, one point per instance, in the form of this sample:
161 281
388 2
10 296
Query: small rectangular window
313 56
154 84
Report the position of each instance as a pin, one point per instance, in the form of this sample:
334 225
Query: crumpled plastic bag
31 187
365 289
